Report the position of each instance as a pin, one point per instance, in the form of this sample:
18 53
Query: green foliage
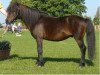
0 24
57 7
96 21
5 45
98 13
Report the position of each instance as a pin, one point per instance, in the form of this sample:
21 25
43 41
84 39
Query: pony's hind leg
40 61
83 50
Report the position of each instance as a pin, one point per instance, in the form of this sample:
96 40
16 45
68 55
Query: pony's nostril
6 21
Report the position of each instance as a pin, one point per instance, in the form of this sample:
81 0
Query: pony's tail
90 34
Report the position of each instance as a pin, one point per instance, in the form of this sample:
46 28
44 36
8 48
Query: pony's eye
14 12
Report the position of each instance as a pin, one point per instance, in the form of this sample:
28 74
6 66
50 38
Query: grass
60 57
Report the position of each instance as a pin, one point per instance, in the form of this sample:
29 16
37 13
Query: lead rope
2 35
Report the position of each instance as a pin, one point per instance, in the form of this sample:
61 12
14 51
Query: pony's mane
10 7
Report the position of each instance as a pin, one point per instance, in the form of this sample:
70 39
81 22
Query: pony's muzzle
7 22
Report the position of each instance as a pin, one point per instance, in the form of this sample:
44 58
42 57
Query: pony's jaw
9 22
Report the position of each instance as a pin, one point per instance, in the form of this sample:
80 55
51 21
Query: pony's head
12 12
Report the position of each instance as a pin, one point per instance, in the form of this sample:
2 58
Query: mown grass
60 57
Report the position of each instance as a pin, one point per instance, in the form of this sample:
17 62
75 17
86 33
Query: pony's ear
17 3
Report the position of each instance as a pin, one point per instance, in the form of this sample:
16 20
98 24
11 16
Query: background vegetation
57 7
96 20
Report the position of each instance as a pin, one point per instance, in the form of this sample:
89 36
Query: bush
96 21
5 45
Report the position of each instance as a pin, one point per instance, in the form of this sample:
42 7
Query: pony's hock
43 26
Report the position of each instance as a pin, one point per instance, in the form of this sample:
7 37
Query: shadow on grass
46 59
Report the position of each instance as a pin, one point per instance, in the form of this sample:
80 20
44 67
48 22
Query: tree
98 12
0 24
57 7
96 20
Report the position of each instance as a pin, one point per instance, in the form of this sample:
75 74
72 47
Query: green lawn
61 57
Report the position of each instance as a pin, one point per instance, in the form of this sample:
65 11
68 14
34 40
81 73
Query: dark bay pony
42 26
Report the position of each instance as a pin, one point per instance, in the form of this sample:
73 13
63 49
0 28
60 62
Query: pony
45 27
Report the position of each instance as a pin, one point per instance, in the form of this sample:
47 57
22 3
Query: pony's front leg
40 61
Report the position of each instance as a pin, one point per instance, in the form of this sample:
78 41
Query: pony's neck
28 16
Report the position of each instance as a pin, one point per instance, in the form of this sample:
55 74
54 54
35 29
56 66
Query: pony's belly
57 37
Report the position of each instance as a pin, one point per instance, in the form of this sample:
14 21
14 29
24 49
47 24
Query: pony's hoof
82 64
40 63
